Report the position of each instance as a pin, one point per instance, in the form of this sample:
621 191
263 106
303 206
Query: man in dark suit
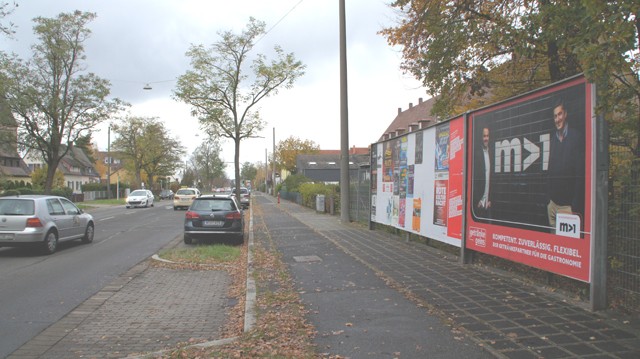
482 184
566 167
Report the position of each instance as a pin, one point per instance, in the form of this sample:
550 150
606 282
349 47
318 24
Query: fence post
598 288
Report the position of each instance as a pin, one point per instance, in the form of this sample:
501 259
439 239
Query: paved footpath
146 309
504 316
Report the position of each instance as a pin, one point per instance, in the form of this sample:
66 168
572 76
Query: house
411 119
117 172
76 167
12 167
324 166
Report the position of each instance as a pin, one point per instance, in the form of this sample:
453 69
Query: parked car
42 220
166 194
245 196
184 197
140 198
213 217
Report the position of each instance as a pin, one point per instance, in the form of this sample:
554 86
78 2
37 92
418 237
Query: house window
70 184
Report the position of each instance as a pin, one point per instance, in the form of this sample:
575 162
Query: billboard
529 179
417 182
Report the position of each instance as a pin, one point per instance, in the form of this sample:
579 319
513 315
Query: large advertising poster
528 179
420 190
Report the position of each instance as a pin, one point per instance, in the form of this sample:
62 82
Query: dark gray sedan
41 220
213 217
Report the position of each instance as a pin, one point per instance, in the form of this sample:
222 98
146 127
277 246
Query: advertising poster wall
420 190
529 179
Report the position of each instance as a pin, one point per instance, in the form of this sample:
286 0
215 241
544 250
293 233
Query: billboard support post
598 288
466 255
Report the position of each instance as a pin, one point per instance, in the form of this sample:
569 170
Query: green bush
309 191
292 183
63 192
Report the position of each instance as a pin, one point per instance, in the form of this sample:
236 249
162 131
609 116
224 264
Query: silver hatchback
42 220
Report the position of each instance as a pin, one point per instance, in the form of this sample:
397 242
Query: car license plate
8 236
213 223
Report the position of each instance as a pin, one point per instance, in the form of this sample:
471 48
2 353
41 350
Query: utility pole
344 121
273 184
109 163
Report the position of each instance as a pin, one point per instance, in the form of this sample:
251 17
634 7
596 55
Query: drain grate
307 259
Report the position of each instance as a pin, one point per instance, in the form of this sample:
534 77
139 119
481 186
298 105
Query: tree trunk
236 163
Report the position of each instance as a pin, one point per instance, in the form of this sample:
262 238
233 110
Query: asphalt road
37 290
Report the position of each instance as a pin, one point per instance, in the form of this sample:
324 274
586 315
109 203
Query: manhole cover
307 259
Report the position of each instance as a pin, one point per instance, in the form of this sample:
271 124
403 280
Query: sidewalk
369 295
503 316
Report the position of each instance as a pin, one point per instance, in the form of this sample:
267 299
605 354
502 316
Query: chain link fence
623 277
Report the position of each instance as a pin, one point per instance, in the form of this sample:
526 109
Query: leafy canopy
223 88
55 101
288 149
470 53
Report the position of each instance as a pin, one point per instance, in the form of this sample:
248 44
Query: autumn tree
498 48
223 87
54 99
146 146
288 149
208 163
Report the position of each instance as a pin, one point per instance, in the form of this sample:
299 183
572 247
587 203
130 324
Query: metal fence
359 198
623 277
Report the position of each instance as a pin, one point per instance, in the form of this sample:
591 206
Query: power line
279 21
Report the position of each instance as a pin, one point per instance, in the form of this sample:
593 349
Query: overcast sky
135 42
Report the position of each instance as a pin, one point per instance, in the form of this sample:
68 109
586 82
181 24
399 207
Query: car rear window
213 204
186 191
17 207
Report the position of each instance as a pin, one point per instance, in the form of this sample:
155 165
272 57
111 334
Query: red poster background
456 183
563 255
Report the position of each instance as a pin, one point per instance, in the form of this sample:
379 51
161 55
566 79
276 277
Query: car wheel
50 242
175 208
151 204
127 207
88 234
187 239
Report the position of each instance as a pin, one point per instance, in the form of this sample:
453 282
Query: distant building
411 119
12 167
76 167
324 166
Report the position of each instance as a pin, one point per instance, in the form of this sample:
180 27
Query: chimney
399 110
424 123
410 104
420 100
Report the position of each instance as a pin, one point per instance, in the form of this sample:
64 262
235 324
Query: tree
39 176
499 48
288 149
248 171
146 145
208 163
53 98
7 9
216 87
